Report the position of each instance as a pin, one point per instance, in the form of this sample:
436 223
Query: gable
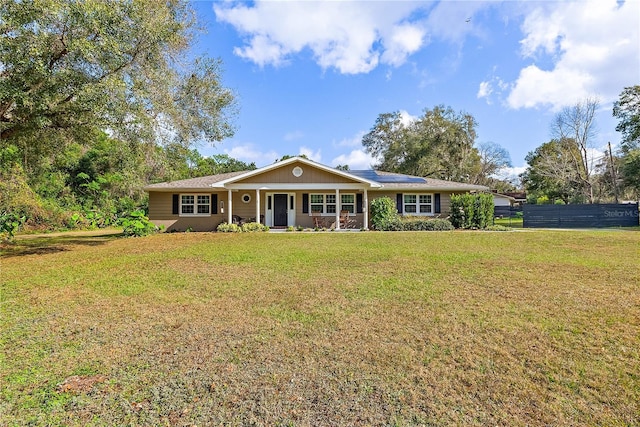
285 175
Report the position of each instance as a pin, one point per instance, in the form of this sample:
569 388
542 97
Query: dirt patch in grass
531 328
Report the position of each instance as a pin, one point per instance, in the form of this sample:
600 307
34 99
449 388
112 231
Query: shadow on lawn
47 244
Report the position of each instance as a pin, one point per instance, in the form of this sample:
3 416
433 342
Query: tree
551 172
69 67
575 126
221 163
439 144
631 172
493 158
627 110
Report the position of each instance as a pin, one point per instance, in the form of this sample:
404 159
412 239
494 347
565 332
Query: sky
311 77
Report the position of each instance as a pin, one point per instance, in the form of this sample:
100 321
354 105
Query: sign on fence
580 216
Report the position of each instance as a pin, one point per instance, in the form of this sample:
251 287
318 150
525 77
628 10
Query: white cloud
311 155
510 172
352 37
356 159
593 46
406 119
354 141
485 90
296 134
250 153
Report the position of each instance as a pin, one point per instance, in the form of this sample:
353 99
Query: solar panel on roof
373 175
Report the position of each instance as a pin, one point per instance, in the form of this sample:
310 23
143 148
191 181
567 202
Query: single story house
295 192
503 200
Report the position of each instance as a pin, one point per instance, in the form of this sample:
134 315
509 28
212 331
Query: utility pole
613 173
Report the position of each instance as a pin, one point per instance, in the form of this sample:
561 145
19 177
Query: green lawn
441 328
509 222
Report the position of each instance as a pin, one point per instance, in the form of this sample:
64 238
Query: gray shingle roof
389 181
202 182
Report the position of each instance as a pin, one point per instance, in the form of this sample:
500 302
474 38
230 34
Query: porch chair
346 221
318 220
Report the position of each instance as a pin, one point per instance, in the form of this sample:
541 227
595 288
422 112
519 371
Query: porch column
337 209
229 208
258 206
365 210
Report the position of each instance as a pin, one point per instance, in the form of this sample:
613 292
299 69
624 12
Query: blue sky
311 77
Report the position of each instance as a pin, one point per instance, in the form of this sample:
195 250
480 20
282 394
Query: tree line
570 169
99 98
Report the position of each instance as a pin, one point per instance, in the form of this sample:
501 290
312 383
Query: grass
509 222
462 328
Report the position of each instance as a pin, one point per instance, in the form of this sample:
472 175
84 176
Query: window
418 204
326 203
317 203
348 202
191 204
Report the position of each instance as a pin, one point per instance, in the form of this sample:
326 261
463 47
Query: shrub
252 227
225 227
498 228
425 224
384 214
471 210
10 223
137 224
417 223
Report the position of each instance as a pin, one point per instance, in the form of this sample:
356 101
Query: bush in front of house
137 224
254 227
416 223
424 224
384 214
225 227
471 211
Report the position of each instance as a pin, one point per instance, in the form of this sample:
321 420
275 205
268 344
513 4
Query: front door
280 210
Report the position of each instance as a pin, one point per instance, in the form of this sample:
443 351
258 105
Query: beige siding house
295 192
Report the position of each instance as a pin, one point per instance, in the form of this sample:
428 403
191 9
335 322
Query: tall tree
551 172
631 172
68 67
627 110
493 158
438 144
576 125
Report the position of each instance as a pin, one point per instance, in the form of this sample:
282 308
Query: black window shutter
305 203
436 203
176 204
359 203
399 202
214 204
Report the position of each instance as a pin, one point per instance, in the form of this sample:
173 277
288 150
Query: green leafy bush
417 223
10 223
137 224
425 224
384 214
471 210
253 227
225 227
498 228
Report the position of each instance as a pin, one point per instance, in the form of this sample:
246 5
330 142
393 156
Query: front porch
308 208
